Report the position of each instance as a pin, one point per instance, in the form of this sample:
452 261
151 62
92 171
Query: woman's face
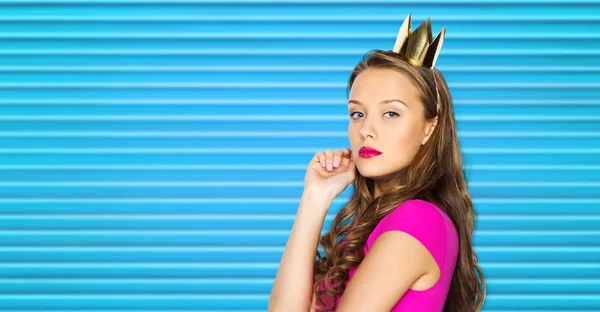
387 115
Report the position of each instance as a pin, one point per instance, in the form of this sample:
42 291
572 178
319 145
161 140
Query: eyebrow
382 102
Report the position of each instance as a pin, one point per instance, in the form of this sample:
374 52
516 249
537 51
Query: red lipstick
368 152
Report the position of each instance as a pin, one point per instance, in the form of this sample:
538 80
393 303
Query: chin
372 172
377 172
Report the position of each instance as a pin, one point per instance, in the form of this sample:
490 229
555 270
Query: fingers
333 158
337 158
329 158
320 157
346 157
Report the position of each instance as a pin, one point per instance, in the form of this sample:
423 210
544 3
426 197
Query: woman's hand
330 172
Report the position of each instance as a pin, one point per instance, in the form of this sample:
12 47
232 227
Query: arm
405 249
375 289
292 289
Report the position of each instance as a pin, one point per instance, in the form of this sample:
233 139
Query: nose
366 130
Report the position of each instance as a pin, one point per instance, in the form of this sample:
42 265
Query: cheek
408 138
354 134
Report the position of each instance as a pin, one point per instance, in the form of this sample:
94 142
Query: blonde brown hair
435 175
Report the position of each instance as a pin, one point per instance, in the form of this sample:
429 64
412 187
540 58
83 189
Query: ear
430 126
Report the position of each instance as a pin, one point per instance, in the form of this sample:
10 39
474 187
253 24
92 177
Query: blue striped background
152 153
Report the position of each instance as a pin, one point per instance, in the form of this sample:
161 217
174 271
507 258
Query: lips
367 152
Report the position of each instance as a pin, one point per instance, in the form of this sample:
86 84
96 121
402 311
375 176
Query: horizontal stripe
506 201
242 249
155 184
274 51
275 167
282 217
144 237
137 232
273 85
150 217
342 117
238 310
336 102
272 265
520 2
307 68
157 200
287 35
274 184
483 18
144 232
163 265
15 297
213 310
254 280
534 265
271 150
284 134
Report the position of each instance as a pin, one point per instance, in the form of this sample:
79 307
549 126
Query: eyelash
361 113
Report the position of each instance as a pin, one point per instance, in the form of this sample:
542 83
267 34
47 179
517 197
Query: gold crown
417 46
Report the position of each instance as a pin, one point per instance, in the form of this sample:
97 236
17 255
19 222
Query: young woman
404 240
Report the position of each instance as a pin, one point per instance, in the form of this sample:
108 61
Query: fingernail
329 167
322 164
336 163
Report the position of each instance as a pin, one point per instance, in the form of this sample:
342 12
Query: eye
351 114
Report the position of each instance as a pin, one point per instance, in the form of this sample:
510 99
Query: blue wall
152 153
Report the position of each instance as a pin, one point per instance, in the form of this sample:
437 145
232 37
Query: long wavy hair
435 174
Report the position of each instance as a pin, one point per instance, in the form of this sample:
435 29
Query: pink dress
434 229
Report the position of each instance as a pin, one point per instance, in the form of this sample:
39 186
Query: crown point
418 46
434 49
403 34
424 30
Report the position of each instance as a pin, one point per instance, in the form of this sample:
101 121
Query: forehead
374 85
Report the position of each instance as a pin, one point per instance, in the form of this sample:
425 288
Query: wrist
320 195
314 203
